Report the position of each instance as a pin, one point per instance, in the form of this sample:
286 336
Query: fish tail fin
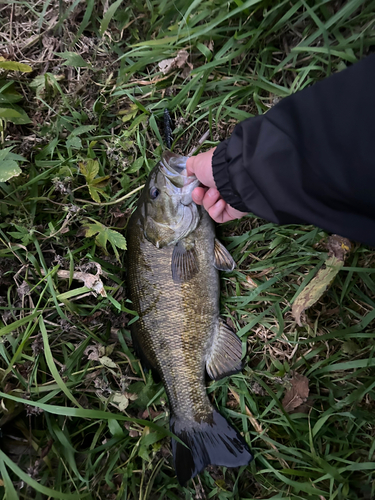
207 443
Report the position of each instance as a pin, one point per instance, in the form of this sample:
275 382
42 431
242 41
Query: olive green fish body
176 320
172 262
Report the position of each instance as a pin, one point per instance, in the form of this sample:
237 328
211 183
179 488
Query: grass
79 418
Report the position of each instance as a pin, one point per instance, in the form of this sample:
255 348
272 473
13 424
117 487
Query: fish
173 263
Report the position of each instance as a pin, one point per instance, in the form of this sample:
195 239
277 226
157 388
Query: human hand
208 195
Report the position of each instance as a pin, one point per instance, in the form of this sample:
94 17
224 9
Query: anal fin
226 353
223 259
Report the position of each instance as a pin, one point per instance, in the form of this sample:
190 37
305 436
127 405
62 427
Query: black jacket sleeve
310 159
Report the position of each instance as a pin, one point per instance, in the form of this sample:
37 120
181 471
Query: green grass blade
10 492
37 486
52 366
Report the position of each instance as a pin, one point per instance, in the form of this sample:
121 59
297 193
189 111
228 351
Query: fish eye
154 193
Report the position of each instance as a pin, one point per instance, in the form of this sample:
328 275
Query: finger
198 195
210 198
217 211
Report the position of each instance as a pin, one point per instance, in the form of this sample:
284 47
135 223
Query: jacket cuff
220 170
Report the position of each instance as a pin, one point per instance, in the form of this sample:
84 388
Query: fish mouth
174 162
173 166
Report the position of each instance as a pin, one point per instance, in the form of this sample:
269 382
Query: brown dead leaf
23 290
91 281
134 434
251 282
316 288
92 353
209 44
298 393
150 412
178 62
338 246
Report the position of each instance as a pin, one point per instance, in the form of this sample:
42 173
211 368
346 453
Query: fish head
167 208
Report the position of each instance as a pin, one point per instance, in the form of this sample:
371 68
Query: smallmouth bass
173 260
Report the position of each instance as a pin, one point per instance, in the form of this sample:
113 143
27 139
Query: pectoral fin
185 263
226 353
223 259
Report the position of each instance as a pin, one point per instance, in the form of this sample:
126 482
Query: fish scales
173 282
177 320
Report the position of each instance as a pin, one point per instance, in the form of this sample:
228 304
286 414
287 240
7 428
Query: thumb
201 166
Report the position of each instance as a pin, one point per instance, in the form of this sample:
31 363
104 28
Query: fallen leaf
178 62
297 394
23 290
150 412
251 282
8 168
317 286
350 347
14 66
109 349
106 361
338 247
120 401
91 281
92 353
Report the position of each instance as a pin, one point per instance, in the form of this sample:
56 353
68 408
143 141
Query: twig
11 22
200 142
113 202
